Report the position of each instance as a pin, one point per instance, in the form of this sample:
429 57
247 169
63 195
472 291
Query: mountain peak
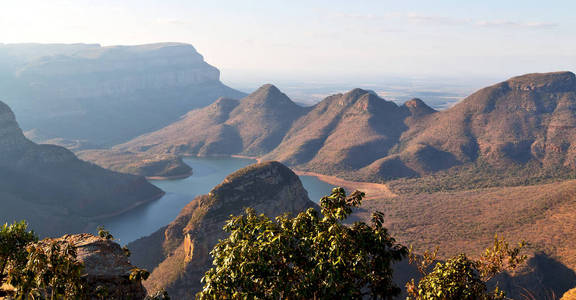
257 179
268 94
554 81
417 107
357 93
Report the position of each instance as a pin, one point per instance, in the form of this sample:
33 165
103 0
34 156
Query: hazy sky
320 39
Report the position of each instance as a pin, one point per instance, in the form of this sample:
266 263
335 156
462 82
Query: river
207 173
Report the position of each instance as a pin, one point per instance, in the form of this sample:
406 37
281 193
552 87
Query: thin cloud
450 21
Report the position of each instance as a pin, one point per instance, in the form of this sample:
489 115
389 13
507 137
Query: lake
207 173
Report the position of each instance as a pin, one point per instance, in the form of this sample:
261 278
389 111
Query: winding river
207 173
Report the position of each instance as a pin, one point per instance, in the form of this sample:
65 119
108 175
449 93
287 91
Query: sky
320 40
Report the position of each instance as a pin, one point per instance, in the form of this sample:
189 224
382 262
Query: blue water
207 173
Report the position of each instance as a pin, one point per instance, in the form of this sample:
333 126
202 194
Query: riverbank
257 159
372 190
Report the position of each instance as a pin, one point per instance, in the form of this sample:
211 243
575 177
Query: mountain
521 127
344 132
105 95
55 191
252 126
179 253
525 119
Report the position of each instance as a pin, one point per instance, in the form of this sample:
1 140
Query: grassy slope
466 221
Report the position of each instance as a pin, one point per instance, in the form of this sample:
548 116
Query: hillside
105 95
252 126
525 120
466 221
55 191
179 253
520 128
345 132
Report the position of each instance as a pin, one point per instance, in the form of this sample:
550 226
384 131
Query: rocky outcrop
55 191
105 95
269 188
106 267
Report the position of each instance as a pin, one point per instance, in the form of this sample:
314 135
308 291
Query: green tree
51 272
461 277
304 257
13 241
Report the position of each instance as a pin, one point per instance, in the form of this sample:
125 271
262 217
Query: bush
463 278
308 256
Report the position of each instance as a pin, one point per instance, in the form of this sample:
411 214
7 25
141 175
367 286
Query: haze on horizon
323 40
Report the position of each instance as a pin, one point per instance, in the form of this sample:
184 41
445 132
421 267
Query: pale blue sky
320 39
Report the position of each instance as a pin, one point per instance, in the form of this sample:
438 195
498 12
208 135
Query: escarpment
105 95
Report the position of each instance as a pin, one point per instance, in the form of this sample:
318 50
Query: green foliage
103 233
463 278
13 241
304 257
126 251
137 274
51 272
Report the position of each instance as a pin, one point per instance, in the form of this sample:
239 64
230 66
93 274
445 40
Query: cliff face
108 71
105 95
270 188
105 265
55 191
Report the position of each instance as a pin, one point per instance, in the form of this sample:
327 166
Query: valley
147 141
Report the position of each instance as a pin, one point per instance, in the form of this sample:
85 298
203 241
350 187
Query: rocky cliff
55 191
184 245
105 266
106 94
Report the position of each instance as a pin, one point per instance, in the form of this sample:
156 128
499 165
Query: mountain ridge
524 121
105 95
53 189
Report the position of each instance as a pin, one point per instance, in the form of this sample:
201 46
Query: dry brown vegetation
466 221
